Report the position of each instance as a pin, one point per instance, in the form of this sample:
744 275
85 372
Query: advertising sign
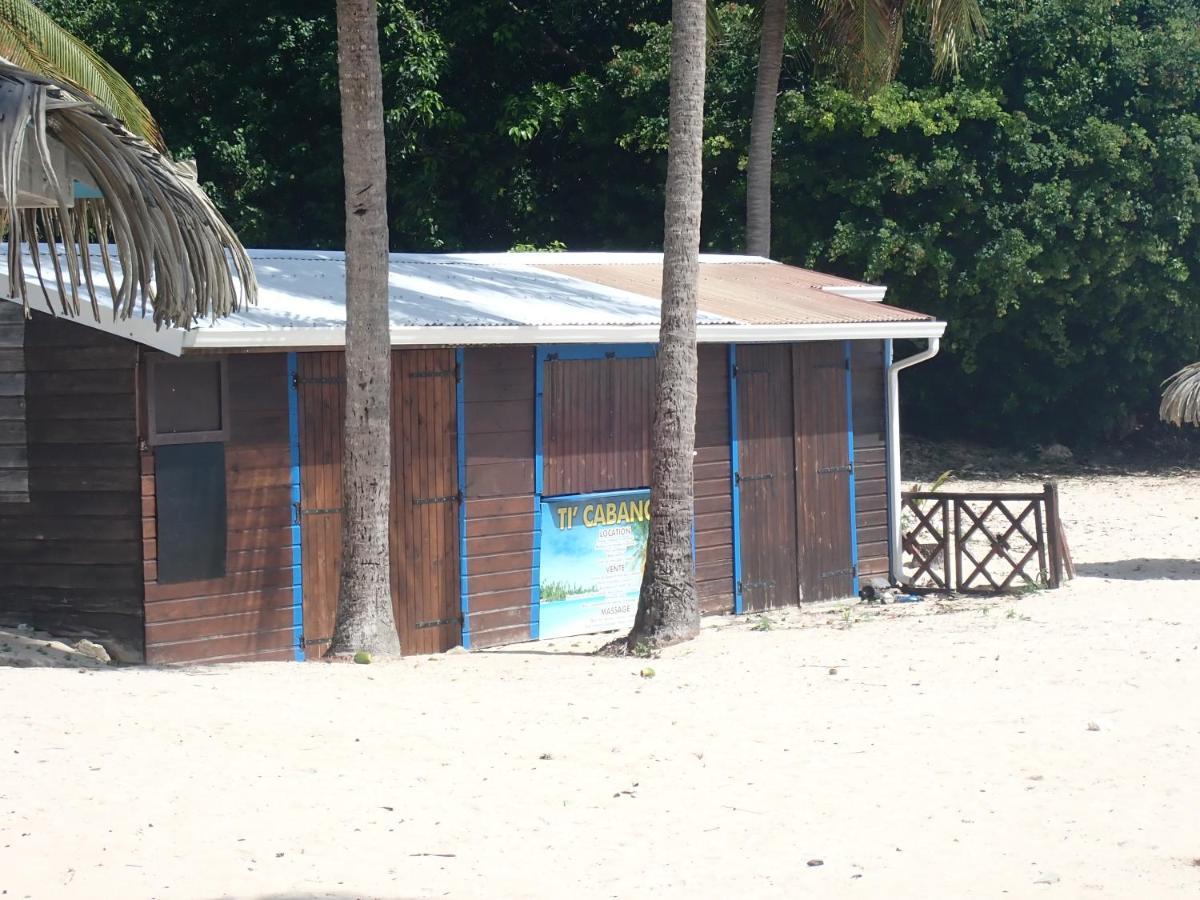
593 553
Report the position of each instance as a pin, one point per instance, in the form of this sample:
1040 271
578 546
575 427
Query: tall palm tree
668 608
30 39
365 620
859 41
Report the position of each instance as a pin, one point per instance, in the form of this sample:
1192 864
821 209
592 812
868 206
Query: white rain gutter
895 550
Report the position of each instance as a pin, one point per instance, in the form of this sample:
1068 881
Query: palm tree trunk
364 614
668 609
762 129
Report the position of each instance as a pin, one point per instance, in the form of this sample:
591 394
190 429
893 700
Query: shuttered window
188 400
597 415
189 424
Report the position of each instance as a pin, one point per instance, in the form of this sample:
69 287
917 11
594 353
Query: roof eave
135 328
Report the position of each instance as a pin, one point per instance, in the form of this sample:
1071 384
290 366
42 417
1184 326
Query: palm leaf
861 40
1181 397
953 25
29 38
174 251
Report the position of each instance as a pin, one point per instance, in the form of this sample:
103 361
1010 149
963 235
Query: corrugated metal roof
518 298
753 291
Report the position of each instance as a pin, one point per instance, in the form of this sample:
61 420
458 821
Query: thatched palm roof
1181 397
175 253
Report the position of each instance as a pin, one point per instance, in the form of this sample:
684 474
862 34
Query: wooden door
424 507
320 387
425 500
823 470
766 476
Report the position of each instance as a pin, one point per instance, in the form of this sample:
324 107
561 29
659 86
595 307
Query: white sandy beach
926 751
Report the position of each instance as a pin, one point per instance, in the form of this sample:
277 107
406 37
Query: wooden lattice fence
983 542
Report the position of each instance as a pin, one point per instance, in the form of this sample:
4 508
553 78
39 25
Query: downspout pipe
895 550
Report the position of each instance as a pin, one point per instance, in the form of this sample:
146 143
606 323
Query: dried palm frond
174 251
1181 397
32 40
861 40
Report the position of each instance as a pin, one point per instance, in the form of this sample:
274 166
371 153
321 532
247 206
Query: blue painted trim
297 546
735 488
593 495
460 431
535 591
853 468
598 351
887 432
81 191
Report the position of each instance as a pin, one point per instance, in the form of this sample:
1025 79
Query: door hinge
434 373
838 573
297 381
449 498
828 470
317 511
438 623
750 585
302 641
743 478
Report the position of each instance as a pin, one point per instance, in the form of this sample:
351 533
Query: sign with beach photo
593 551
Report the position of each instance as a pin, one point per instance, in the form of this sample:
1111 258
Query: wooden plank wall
714 499
14 447
70 556
597 415
499 385
870 466
247 614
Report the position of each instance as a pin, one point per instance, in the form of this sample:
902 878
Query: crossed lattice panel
1007 549
927 542
981 543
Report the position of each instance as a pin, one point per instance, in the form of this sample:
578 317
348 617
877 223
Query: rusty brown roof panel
757 293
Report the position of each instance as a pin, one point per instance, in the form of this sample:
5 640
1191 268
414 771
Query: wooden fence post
1053 533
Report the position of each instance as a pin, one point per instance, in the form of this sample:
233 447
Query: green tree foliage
1045 202
250 91
1046 206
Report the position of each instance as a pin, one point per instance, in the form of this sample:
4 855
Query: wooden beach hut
176 492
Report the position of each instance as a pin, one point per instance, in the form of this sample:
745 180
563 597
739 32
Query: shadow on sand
1143 569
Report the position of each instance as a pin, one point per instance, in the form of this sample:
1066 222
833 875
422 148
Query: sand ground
930 750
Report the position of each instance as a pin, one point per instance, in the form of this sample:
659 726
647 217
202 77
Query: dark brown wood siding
70 554
767 472
499 385
870 465
246 614
14 445
822 470
597 415
714 498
